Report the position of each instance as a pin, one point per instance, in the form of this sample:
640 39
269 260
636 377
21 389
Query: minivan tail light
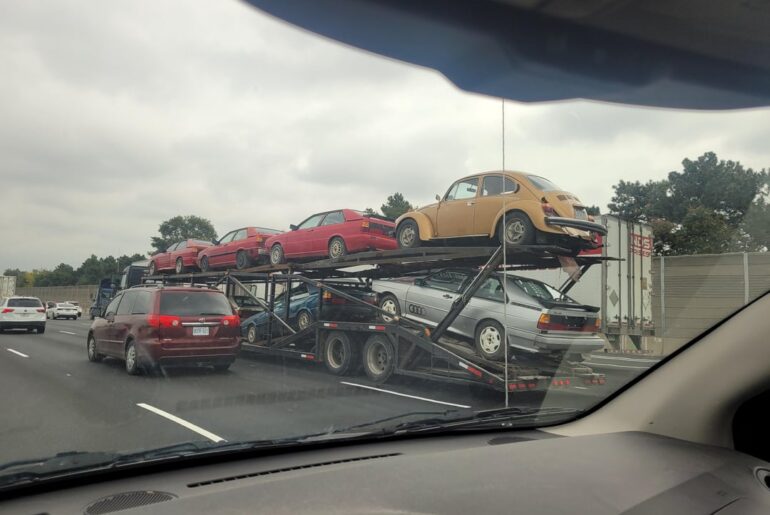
163 321
231 320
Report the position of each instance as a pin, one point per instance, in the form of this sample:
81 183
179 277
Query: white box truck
621 287
7 286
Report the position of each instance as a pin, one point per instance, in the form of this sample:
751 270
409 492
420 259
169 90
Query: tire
489 340
179 267
93 356
276 255
337 248
132 360
205 264
408 234
242 260
389 303
251 334
516 229
379 358
304 319
339 353
153 268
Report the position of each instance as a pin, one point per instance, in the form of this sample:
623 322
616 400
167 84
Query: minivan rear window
24 303
194 303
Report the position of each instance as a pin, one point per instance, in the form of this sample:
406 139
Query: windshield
128 127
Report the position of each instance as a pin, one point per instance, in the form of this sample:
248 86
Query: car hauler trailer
401 347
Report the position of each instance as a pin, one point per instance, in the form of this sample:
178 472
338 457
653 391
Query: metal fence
82 294
692 293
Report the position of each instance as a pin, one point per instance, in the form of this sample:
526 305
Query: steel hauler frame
402 347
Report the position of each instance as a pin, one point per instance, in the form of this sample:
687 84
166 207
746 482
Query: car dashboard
512 472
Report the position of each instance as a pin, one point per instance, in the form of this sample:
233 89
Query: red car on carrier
179 257
158 326
239 248
333 234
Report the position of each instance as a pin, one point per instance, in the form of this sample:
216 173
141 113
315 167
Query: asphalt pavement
55 400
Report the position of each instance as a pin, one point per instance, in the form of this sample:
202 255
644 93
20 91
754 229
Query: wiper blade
394 417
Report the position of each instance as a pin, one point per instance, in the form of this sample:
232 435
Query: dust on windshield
130 129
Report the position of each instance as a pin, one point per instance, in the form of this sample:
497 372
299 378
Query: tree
181 228
369 211
593 210
396 206
20 275
711 206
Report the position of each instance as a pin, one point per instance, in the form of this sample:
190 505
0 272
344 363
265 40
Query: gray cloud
117 115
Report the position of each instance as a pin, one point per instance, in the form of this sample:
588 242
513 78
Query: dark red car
179 257
239 248
333 234
156 326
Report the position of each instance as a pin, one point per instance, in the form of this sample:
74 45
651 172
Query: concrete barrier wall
81 294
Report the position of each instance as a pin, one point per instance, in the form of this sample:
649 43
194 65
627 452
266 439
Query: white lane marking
581 388
17 353
182 422
588 363
67 332
619 358
405 395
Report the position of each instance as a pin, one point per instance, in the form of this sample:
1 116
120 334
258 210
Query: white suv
22 313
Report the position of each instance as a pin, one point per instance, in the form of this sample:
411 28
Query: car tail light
163 321
548 322
365 225
41 310
8 310
259 240
548 209
231 320
333 299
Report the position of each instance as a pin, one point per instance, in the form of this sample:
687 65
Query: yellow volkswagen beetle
523 209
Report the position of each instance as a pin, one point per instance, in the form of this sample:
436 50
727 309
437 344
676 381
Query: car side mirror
293 227
110 317
438 197
214 242
419 282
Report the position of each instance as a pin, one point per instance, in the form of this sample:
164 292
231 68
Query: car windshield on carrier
136 132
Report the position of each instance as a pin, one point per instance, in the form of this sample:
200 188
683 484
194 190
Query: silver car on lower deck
538 318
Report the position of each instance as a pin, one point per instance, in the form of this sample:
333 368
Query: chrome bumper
574 223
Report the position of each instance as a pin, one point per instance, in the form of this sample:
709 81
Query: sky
115 116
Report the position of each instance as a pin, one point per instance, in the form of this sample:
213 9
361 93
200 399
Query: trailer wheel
389 303
489 340
379 358
339 353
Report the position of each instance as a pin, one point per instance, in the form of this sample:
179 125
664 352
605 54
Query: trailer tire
276 254
379 358
339 353
489 340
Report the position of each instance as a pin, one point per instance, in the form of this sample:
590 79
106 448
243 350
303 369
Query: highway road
55 400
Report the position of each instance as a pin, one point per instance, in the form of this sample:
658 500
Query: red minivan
239 248
155 326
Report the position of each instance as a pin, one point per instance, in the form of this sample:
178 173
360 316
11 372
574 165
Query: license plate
200 331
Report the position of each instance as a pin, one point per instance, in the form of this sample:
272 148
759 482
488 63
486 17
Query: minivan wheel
179 268
489 340
93 356
132 360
